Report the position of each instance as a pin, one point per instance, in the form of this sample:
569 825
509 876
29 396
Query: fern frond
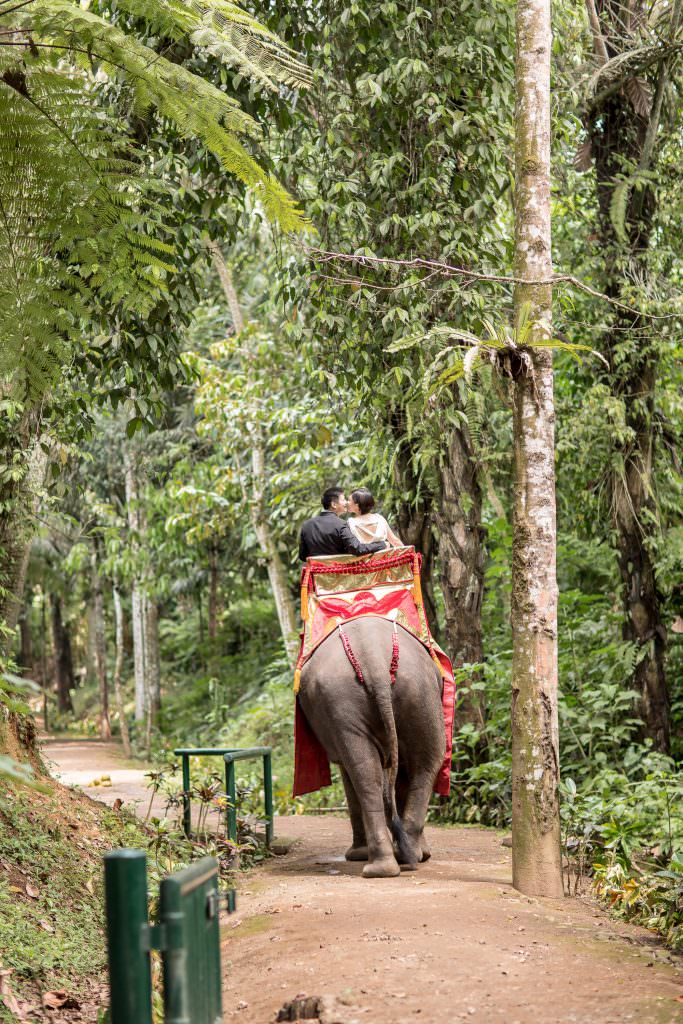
193 104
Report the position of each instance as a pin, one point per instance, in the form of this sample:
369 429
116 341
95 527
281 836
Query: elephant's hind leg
359 847
416 802
366 777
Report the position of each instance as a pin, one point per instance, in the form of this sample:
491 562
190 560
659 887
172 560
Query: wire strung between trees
437 267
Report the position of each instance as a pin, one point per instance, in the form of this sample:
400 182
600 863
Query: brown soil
450 942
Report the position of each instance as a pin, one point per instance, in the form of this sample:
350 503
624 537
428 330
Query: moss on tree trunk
535 753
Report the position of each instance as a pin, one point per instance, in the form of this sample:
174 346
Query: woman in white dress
366 524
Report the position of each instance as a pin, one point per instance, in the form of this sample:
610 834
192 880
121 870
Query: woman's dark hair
364 499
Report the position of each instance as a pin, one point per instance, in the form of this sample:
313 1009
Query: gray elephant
389 741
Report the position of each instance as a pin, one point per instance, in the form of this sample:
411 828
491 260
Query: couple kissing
362 534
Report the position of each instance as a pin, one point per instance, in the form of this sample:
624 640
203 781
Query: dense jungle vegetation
190 356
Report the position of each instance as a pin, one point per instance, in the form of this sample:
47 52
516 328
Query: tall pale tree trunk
536 860
100 641
138 600
152 658
138 621
277 574
118 670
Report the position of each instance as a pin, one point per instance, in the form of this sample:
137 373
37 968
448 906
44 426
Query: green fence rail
229 755
187 934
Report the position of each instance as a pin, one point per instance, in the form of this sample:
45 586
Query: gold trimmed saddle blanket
338 588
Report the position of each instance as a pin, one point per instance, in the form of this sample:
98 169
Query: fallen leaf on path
60 1000
7 995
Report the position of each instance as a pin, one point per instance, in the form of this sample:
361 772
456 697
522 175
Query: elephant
389 741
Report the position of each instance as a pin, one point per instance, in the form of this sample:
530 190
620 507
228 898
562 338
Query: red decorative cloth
341 588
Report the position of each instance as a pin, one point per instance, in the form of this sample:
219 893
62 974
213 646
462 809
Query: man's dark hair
330 495
364 499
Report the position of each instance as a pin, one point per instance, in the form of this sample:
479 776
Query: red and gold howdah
338 588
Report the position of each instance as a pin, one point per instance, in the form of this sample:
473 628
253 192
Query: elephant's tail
381 691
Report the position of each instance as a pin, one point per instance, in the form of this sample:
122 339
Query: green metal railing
229 755
187 934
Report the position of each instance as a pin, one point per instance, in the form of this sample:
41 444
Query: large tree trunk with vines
622 133
61 641
461 556
536 862
416 522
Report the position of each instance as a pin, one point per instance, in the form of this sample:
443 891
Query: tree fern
81 220
197 107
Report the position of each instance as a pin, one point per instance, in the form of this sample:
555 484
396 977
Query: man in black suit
328 534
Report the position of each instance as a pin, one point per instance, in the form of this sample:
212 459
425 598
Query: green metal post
268 796
187 813
231 793
130 982
188 913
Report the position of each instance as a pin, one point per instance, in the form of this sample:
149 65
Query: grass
51 892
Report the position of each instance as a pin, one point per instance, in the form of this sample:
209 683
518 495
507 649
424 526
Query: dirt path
79 762
450 942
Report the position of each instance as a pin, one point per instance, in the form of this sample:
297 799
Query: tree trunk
61 642
26 648
152 661
536 860
622 137
461 554
19 500
416 522
277 574
100 641
118 669
138 618
213 593
138 600
643 624
90 663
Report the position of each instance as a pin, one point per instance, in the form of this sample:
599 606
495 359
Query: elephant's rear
389 738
